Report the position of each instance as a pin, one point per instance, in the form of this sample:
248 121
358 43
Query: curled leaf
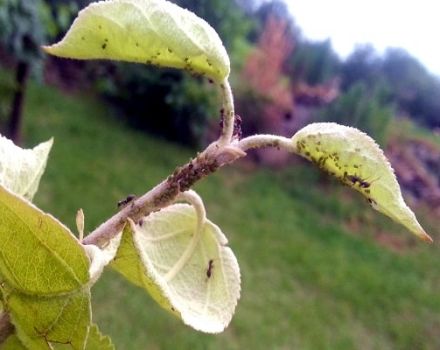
21 169
356 160
145 31
100 258
193 274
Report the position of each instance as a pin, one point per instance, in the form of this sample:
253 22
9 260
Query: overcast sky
412 25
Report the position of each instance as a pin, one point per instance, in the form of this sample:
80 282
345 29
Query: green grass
308 280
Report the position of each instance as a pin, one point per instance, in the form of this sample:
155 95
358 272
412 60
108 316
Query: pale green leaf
97 341
40 321
100 258
12 343
38 255
128 263
21 169
356 160
146 31
193 274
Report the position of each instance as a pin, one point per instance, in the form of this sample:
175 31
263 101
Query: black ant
210 268
123 202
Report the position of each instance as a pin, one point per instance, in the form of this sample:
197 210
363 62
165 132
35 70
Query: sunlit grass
308 280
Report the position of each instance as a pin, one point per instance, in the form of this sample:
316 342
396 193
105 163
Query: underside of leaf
154 32
357 161
21 169
197 276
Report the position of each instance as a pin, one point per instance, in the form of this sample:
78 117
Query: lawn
320 269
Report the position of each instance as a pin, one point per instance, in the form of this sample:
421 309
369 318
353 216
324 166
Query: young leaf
21 169
38 255
193 274
40 321
356 160
146 31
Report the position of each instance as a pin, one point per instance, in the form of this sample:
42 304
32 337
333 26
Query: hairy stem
228 114
165 193
6 327
261 141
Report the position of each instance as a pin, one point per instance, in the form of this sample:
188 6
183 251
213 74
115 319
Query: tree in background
364 108
314 62
415 90
186 106
21 34
24 26
264 79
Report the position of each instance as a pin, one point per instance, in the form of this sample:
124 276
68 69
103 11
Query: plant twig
165 193
228 114
260 141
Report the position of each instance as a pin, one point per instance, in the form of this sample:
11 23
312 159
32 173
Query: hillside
320 269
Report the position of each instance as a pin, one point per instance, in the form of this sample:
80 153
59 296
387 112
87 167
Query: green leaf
96 340
100 258
38 255
12 343
356 160
146 31
21 169
193 274
40 321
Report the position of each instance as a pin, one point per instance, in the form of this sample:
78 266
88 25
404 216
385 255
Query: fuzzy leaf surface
195 276
154 32
21 169
38 255
357 161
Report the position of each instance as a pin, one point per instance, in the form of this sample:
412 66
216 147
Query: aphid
123 202
237 127
210 268
356 179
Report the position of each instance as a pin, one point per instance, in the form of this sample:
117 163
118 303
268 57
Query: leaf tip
425 237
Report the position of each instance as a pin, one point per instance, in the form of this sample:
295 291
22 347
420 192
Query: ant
210 268
123 202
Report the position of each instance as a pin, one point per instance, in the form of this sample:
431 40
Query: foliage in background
24 27
265 92
364 109
164 102
314 62
412 88
169 102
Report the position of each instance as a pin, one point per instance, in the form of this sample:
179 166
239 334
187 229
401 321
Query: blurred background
320 269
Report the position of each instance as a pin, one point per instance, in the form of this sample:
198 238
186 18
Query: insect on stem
123 202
